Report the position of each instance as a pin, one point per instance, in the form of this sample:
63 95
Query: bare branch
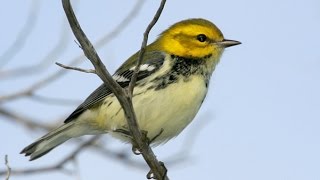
89 51
143 46
8 167
76 68
30 92
157 168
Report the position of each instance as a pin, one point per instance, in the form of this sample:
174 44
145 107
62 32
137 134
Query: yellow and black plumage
171 86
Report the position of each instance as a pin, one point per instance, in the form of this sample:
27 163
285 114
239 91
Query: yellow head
193 38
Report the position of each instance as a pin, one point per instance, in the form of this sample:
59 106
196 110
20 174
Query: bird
171 86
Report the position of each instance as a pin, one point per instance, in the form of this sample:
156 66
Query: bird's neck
193 66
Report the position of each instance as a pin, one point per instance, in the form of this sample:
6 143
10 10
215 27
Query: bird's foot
150 174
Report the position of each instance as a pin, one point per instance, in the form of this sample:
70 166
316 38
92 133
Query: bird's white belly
170 109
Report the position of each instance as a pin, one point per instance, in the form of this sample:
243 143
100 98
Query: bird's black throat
183 67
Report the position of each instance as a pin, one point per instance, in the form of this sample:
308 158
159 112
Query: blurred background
260 120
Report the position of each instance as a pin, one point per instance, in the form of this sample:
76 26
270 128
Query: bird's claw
150 174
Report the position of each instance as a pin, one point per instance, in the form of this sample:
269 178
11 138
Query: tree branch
76 68
157 168
6 162
143 46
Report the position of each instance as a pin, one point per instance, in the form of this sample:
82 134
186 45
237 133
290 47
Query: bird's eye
202 37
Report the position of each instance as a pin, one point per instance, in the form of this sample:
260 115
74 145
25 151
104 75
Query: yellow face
193 38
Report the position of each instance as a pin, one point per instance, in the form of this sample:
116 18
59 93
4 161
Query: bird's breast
171 108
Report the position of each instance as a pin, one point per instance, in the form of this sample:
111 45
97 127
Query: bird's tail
53 139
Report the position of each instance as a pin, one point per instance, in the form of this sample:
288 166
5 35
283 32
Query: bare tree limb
76 68
6 162
143 46
157 168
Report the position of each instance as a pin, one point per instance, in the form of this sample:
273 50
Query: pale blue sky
261 118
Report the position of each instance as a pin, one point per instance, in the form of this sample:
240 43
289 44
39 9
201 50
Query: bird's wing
152 61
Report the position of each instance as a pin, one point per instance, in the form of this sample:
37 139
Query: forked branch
158 171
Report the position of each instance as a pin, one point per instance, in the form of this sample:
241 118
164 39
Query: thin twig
76 68
143 46
91 53
157 168
8 167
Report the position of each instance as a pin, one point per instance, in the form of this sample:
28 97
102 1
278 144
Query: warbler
171 85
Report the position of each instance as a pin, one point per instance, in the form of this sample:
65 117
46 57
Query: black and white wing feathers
151 63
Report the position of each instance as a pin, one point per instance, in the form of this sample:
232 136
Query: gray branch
76 68
158 170
6 161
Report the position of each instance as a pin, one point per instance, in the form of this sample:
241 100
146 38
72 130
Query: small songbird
171 85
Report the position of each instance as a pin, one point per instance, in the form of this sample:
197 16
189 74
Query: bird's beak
228 43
